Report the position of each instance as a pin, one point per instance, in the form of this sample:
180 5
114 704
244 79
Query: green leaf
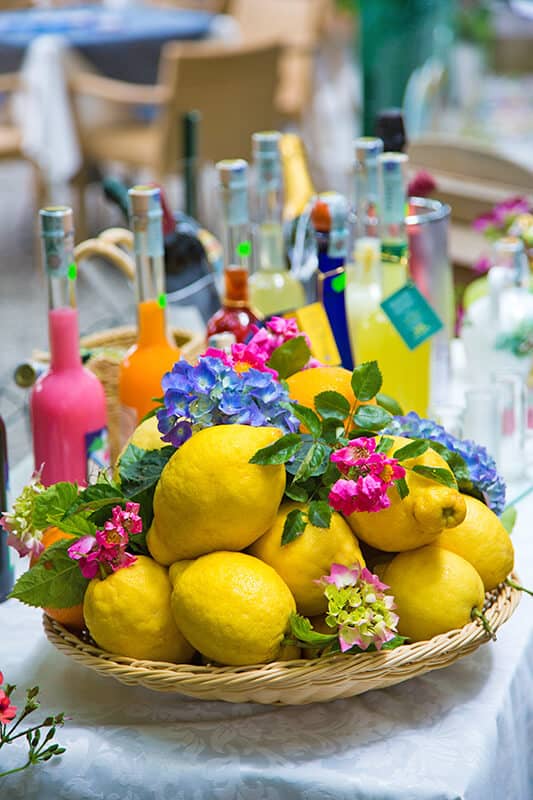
366 381
437 474
332 405
403 488
149 414
314 463
384 444
389 404
308 417
508 518
371 418
456 463
78 524
54 582
140 469
302 630
294 526
319 514
290 357
297 492
278 452
411 450
53 504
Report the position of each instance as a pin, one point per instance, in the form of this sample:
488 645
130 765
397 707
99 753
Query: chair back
232 86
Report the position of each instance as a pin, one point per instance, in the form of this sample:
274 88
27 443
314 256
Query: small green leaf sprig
40 747
334 424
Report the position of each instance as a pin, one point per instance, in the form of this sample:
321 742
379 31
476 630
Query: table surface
462 733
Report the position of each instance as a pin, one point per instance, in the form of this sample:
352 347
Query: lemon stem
477 614
517 586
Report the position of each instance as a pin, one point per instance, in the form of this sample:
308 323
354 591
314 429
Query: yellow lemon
129 613
420 517
233 608
483 541
209 497
308 557
435 591
177 568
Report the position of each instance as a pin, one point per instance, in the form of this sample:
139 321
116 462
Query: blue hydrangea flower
212 393
481 465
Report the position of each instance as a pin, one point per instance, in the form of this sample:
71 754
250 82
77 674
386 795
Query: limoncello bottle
406 373
273 290
153 354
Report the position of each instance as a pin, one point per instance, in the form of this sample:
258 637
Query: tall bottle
329 217
67 404
153 354
405 372
299 188
236 315
273 290
366 189
6 568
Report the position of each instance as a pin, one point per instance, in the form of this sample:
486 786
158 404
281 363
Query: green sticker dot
162 300
338 284
244 249
72 271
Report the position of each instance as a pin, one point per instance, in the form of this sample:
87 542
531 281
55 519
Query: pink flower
7 711
105 552
482 265
502 215
365 494
421 185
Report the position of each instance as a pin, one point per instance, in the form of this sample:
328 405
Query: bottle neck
235 287
149 259
366 200
151 321
64 339
329 257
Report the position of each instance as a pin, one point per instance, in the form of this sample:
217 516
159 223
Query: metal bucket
427 227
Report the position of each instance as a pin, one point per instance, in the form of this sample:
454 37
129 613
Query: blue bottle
6 570
329 217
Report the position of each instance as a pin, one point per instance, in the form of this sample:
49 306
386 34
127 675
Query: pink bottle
68 410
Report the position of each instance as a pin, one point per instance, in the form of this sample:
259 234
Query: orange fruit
71 617
306 384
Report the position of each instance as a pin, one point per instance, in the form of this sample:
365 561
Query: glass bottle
236 314
299 188
153 354
329 217
366 152
273 290
406 373
6 568
67 403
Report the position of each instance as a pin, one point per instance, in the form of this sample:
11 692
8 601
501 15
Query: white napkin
43 111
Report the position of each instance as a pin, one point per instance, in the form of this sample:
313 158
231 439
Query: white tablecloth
462 733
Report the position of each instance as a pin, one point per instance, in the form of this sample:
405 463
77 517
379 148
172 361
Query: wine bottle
273 290
329 216
153 354
236 314
6 568
67 403
299 187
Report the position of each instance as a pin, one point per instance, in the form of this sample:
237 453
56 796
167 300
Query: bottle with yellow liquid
299 187
406 373
273 289
153 354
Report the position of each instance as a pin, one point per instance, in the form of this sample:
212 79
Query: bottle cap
56 221
329 212
232 173
367 149
145 201
266 143
393 162
390 128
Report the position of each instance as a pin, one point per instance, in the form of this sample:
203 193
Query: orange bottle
144 365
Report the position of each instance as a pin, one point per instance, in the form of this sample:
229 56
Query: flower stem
517 586
477 614
17 769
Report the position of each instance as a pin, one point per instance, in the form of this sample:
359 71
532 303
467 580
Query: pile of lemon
218 581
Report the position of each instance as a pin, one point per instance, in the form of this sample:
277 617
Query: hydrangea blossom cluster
7 711
256 352
359 607
105 552
214 393
368 476
21 535
481 466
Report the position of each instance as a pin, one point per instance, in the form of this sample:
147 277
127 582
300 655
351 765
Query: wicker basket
292 682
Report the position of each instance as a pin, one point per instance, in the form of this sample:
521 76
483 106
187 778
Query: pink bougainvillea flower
358 607
105 552
368 476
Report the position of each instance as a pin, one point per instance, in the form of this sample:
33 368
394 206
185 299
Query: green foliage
290 357
304 634
436 474
371 418
54 582
508 518
295 524
140 471
366 381
308 417
332 405
403 489
319 514
412 450
279 452
389 404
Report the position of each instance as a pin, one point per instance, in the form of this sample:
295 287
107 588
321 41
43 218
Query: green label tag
338 284
411 315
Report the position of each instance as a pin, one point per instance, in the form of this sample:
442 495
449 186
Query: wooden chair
298 25
472 177
232 86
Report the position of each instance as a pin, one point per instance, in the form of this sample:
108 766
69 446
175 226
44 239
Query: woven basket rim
297 681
